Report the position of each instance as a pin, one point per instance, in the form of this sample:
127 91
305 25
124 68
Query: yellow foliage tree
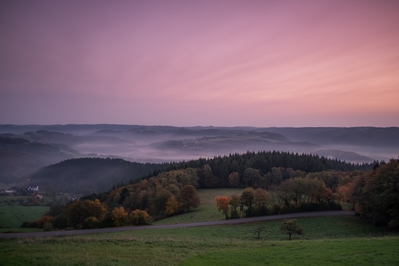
78 211
139 217
172 206
119 217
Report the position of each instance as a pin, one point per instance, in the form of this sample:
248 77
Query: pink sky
187 63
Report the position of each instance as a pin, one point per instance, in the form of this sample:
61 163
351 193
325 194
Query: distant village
15 191
34 196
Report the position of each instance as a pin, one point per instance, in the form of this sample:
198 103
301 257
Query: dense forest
264 162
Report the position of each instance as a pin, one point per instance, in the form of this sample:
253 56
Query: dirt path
171 226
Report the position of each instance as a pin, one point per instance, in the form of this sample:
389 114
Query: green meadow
338 240
327 241
206 211
12 216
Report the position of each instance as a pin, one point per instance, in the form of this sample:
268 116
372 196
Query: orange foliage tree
222 203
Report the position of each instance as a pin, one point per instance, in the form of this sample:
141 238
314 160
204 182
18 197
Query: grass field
377 251
338 240
334 241
207 211
11 200
14 216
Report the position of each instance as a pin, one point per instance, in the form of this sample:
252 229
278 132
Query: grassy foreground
376 251
327 241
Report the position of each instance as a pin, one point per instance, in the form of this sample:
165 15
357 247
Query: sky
200 63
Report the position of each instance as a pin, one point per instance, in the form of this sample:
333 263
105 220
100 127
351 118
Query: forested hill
265 161
93 175
267 170
20 157
90 175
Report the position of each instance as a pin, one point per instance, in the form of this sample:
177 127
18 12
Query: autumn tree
261 199
380 195
290 227
173 206
160 199
351 191
139 217
43 220
222 203
299 191
235 202
78 211
247 199
119 217
188 197
90 223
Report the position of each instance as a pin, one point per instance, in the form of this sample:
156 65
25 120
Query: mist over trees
273 181
26 148
90 175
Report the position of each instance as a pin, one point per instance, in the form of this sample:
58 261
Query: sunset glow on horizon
199 63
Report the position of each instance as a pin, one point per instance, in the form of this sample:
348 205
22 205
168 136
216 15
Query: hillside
357 136
266 170
19 157
231 140
89 175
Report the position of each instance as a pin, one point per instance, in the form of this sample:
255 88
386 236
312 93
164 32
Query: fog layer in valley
149 144
25 149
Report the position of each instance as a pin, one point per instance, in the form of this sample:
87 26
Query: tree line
292 195
262 161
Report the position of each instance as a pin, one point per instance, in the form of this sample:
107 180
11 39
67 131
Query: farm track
174 226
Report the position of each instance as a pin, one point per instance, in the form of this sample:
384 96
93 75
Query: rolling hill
89 175
19 157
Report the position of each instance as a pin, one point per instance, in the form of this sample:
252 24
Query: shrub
48 226
139 217
90 223
30 224
42 220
